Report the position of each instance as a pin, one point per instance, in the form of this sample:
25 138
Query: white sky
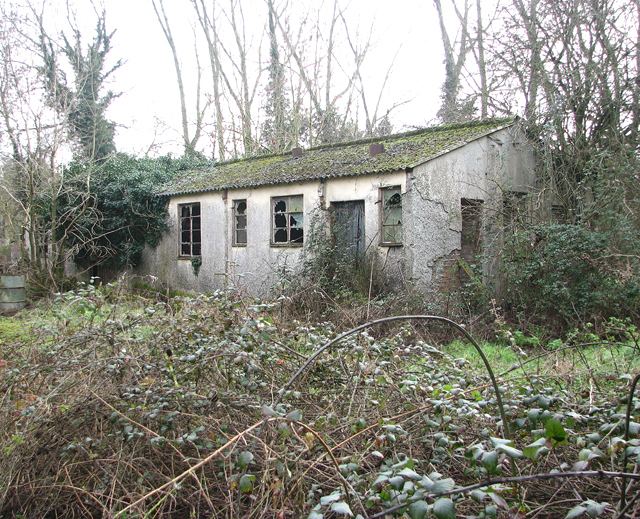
148 109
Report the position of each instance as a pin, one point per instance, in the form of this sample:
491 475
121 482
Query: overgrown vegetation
570 274
127 404
123 191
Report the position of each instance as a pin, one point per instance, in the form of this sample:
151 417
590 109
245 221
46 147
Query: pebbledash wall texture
428 203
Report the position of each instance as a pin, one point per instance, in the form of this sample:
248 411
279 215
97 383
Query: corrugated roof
401 151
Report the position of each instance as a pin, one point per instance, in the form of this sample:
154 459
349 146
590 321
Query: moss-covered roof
401 151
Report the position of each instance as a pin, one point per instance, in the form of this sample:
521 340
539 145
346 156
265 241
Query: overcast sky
148 110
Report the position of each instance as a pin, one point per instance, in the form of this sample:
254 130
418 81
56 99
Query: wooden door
347 228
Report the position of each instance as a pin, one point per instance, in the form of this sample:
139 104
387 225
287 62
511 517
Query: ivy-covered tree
275 130
82 100
130 215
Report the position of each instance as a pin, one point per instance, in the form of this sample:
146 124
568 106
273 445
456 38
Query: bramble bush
569 272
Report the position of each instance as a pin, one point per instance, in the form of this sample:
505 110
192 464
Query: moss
13 330
401 151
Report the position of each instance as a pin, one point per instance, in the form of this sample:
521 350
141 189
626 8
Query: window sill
188 258
239 245
287 245
390 244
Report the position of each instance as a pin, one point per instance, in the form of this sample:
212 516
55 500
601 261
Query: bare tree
207 21
39 131
189 142
455 55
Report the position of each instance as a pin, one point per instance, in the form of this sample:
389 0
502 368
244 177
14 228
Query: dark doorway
471 239
347 229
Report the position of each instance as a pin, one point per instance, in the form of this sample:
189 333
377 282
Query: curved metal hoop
465 333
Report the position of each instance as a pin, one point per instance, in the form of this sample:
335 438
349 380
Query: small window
190 230
391 216
239 223
287 219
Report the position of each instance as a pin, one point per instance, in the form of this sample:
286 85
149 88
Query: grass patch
14 329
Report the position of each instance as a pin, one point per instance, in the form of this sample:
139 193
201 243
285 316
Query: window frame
234 223
272 214
191 242
381 216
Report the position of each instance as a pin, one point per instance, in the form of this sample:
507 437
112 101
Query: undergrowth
125 404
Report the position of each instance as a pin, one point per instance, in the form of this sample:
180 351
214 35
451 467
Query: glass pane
279 205
185 237
393 216
296 235
280 220
196 249
280 236
392 234
241 222
195 222
185 249
185 211
241 236
185 224
295 204
296 220
391 196
241 206
196 236
195 210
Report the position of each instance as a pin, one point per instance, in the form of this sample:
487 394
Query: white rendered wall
259 266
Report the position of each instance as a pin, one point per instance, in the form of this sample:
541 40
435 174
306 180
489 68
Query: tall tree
452 108
275 130
83 100
188 141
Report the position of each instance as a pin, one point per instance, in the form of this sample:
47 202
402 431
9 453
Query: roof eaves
282 182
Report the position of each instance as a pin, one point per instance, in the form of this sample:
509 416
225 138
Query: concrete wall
432 221
482 170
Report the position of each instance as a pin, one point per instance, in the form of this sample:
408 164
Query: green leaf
409 474
295 415
246 483
341 508
444 508
595 509
576 511
244 459
331 498
553 430
268 411
512 452
490 462
442 485
418 509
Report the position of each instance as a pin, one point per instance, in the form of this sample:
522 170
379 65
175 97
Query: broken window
190 229
239 223
287 219
391 216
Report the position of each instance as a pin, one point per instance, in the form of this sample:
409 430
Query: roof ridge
366 140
